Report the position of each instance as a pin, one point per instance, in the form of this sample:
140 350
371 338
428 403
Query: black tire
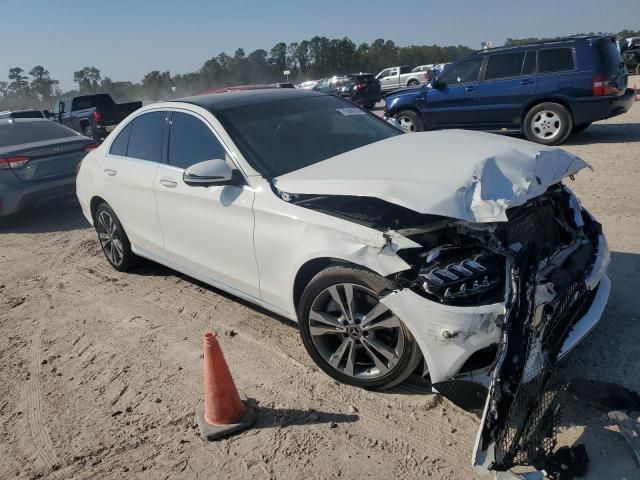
369 106
405 117
580 128
407 361
558 119
125 260
87 131
413 83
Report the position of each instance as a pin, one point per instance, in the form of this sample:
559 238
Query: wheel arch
93 205
311 268
559 100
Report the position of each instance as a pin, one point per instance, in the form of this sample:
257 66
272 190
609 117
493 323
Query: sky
127 38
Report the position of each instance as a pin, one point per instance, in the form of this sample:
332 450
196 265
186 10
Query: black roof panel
243 98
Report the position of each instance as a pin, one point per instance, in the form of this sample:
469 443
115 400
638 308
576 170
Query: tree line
315 58
309 59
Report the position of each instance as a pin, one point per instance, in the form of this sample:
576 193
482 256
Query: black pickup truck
92 115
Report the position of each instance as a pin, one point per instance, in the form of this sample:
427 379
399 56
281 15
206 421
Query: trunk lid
48 159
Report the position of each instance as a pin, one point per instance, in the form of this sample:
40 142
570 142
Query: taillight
602 86
359 85
97 116
12 162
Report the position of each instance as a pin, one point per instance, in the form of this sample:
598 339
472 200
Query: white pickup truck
400 77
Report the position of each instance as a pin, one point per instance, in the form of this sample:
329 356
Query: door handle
526 81
470 88
167 182
110 171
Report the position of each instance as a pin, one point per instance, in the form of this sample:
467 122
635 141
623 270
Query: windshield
280 137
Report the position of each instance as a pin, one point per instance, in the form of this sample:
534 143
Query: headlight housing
463 276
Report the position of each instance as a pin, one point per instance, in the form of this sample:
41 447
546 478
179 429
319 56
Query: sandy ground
100 371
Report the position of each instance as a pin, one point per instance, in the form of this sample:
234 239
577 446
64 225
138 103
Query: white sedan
446 253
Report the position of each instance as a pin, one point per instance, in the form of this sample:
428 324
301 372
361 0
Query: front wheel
350 334
548 123
409 121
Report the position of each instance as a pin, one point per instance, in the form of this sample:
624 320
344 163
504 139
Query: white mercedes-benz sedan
459 255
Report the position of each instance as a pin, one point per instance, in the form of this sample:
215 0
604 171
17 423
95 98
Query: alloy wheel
355 333
110 238
546 124
407 124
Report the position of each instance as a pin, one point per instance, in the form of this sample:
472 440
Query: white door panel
128 189
208 229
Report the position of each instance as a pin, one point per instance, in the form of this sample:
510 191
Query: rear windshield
280 137
27 114
98 101
611 59
19 133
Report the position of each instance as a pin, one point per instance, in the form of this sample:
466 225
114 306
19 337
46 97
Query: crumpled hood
461 174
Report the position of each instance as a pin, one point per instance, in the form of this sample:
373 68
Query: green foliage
314 58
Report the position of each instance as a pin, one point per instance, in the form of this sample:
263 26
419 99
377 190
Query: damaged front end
494 306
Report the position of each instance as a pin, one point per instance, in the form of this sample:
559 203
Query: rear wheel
413 83
409 121
113 239
548 123
87 131
350 334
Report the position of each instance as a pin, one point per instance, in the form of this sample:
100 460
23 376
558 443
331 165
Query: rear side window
462 72
18 133
611 59
191 142
145 139
119 145
504 65
555 60
405 69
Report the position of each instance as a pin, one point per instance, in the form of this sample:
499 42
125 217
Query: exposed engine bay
544 264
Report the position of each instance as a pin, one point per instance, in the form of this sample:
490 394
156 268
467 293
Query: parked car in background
423 68
92 115
402 76
308 85
360 88
630 51
38 162
30 113
546 90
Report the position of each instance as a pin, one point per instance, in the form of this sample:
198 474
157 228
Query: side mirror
208 173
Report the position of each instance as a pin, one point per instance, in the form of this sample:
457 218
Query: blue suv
546 90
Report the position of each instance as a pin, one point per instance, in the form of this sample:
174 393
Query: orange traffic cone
223 412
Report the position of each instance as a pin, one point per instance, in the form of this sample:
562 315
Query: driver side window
463 72
191 142
384 73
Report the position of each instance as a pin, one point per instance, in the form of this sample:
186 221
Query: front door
454 99
207 231
510 81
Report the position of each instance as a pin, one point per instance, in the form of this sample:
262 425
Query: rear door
207 230
455 103
509 82
127 175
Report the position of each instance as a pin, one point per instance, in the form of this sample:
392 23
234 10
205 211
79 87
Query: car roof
550 42
217 102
